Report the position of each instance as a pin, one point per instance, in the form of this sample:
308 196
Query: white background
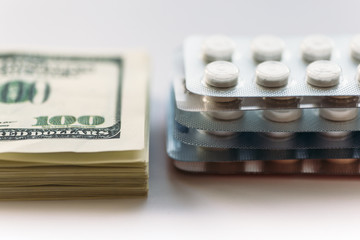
181 206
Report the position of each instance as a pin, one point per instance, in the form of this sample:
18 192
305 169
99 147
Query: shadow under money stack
73 125
266 105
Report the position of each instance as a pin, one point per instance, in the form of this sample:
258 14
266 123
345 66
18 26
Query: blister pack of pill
266 105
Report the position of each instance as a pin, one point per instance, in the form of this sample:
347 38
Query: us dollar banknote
73 124
51 101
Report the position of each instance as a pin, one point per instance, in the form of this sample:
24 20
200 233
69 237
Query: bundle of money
73 124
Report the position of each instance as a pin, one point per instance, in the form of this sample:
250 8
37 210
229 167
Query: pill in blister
217 48
279 135
323 73
316 47
355 47
221 102
267 48
221 74
272 74
282 115
338 114
336 134
226 115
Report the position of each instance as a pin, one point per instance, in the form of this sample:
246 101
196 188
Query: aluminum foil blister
297 85
254 121
195 159
337 86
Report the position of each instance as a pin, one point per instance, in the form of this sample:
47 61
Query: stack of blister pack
266 105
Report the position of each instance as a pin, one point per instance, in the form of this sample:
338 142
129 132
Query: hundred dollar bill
73 124
56 101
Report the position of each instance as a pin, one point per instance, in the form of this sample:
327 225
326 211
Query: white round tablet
221 74
272 74
342 160
323 73
336 134
279 134
226 115
355 47
338 114
218 48
267 48
316 47
282 115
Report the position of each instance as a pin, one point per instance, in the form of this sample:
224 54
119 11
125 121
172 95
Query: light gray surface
179 205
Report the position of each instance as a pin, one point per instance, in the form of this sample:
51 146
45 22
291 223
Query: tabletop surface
182 205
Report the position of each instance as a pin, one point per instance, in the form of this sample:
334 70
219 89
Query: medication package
266 105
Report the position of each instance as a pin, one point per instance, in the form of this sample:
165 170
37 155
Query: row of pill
290 115
270 48
332 114
306 166
274 74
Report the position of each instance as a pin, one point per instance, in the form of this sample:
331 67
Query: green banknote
66 113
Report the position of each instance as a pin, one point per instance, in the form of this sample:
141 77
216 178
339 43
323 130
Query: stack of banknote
73 124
